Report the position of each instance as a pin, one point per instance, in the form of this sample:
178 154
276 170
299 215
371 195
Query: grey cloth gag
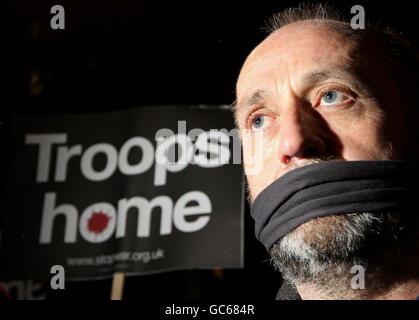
333 187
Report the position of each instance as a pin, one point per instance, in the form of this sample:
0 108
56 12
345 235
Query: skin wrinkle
316 255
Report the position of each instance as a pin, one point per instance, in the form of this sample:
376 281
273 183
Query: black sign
136 191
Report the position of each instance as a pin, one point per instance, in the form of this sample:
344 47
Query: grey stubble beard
321 252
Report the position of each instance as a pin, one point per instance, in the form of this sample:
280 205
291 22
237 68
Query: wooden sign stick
117 286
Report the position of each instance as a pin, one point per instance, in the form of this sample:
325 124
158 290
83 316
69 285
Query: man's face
308 93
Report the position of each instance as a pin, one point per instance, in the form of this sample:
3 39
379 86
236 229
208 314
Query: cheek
260 162
364 141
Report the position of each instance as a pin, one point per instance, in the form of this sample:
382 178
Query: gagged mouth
305 162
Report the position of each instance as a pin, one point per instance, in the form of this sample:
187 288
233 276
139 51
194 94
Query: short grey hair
305 11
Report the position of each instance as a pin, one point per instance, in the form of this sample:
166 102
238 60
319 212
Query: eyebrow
256 97
253 99
315 77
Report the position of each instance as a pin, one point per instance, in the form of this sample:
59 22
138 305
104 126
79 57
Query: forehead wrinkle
272 53
278 87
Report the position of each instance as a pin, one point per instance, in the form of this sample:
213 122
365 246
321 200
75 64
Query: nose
300 137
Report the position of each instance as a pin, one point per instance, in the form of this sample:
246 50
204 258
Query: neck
407 290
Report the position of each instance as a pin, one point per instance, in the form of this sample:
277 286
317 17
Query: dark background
121 54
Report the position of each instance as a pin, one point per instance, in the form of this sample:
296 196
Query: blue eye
258 122
330 97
